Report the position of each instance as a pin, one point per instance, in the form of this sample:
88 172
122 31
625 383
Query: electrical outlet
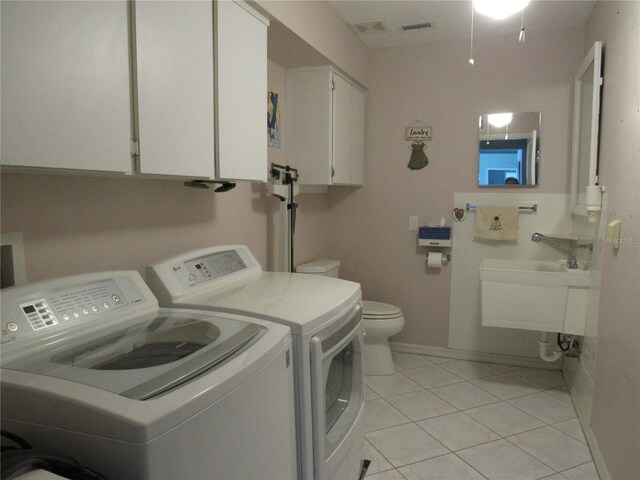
413 224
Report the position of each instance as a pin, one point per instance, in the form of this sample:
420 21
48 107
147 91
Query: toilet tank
321 266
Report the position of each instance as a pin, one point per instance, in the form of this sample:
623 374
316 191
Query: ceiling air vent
371 26
417 27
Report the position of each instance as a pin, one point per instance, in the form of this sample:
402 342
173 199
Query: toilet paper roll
436 260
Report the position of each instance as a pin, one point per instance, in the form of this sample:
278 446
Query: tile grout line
560 388
471 466
382 454
477 406
571 436
531 455
438 456
538 418
454 452
581 465
471 446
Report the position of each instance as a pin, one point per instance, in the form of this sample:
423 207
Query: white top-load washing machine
325 316
92 368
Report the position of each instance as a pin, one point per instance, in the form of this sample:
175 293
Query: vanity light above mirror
509 149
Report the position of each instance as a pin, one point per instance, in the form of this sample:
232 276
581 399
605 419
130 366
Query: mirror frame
594 57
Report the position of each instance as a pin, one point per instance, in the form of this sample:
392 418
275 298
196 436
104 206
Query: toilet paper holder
437 259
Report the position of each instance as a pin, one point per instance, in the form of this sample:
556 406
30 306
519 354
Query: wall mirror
509 149
586 116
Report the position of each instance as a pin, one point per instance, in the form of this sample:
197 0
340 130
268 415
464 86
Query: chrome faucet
569 246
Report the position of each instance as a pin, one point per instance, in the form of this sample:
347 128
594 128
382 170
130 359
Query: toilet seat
379 311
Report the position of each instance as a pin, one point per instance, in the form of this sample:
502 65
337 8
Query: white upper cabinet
175 89
191 74
356 164
325 127
201 90
65 85
241 44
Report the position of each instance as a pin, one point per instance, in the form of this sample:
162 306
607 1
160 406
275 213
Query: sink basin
534 272
534 295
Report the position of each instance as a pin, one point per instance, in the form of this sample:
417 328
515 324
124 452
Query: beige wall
83 224
606 385
321 27
433 83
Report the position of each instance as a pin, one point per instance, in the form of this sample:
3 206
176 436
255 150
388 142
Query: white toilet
381 321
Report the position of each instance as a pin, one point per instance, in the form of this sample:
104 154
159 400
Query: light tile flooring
447 419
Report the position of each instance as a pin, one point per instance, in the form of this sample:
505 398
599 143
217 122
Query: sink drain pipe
544 344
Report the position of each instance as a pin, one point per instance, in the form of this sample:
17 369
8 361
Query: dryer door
336 384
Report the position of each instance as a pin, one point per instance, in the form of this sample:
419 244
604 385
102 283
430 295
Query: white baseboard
596 453
475 356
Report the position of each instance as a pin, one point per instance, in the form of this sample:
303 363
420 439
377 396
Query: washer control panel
39 315
71 304
52 309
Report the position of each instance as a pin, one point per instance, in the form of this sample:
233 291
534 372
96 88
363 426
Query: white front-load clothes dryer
325 317
92 368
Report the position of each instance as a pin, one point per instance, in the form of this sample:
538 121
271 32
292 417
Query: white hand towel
497 223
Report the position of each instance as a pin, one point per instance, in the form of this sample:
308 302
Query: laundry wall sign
417 134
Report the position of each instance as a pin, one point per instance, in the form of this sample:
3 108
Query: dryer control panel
204 269
210 267
33 308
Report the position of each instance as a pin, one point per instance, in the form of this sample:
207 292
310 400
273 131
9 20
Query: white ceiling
452 18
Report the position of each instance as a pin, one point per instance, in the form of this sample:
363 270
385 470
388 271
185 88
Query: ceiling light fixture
499 9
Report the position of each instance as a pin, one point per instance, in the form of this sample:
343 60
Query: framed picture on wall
273 120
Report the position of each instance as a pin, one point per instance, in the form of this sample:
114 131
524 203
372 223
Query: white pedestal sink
534 295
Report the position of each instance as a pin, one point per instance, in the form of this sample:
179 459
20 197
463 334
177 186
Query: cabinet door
341 130
308 120
174 59
65 85
241 63
356 158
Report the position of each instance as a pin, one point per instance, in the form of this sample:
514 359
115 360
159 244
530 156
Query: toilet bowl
380 320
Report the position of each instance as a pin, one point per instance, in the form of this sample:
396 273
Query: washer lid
379 310
146 357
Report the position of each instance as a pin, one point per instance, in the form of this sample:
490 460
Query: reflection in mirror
509 149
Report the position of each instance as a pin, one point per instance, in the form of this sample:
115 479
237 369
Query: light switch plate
413 224
613 233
